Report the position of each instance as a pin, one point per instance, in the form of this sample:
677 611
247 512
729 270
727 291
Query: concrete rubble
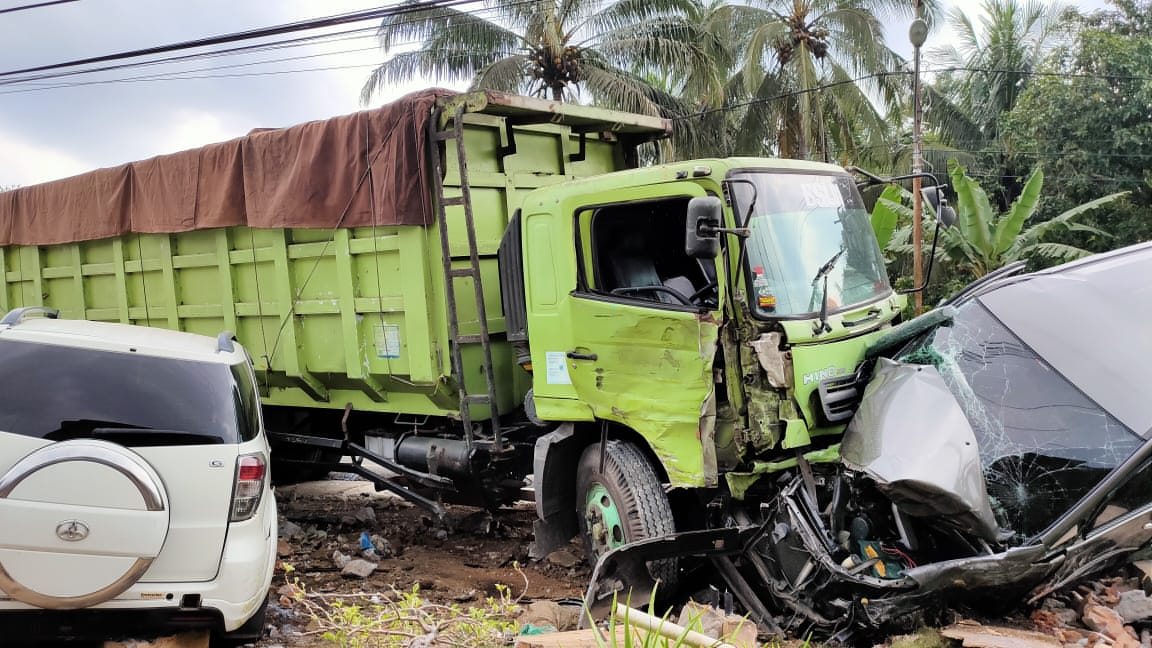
1112 612
358 568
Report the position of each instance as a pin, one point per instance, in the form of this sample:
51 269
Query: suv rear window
57 393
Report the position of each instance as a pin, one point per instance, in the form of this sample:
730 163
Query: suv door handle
574 355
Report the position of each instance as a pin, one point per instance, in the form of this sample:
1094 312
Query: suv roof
124 338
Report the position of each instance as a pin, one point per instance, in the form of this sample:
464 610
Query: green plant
621 632
984 240
405 618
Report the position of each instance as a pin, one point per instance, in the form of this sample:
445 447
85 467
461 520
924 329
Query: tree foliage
550 48
1090 123
989 67
811 68
985 238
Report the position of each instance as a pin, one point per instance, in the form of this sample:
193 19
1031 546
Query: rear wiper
146 437
822 273
129 435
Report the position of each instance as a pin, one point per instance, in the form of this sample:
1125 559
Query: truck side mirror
944 213
702 238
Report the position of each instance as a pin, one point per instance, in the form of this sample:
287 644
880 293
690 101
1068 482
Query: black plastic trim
25 626
510 258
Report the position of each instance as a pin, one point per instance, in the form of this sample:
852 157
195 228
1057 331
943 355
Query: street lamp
917 33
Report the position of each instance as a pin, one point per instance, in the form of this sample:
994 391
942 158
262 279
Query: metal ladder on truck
454 132
359 453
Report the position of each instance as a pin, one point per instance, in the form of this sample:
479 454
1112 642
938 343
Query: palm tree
556 49
808 69
992 64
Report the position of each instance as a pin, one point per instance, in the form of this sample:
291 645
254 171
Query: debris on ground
1110 612
358 568
465 559
588 638
563 558
729 628
972 634
183 640
676 633
550 614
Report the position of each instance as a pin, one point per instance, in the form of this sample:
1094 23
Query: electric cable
37 5
263 32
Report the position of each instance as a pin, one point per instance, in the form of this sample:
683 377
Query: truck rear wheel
623 503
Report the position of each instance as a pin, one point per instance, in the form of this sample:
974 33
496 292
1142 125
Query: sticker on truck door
387 339
556 364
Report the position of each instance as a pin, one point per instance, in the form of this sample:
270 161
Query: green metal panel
330 316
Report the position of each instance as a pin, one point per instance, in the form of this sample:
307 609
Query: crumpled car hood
912 438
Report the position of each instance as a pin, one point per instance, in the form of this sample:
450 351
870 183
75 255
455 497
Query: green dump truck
473 294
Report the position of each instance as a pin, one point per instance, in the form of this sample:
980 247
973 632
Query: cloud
191 129
118 116
24 162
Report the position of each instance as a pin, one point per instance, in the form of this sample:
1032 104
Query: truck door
644 321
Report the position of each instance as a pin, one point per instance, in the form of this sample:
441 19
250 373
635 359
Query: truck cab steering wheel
676 294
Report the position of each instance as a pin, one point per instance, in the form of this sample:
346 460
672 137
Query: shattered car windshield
1043 444
800 223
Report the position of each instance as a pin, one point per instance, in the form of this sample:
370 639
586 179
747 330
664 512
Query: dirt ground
470 557
463 561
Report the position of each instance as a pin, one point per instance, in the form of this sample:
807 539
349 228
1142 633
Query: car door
1110 531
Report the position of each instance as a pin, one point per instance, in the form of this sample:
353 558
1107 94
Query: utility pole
917 33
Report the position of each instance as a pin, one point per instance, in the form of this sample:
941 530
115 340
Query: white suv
134 491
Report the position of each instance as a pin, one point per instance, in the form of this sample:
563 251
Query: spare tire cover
83 521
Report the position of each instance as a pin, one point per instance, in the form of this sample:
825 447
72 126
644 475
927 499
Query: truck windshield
801 223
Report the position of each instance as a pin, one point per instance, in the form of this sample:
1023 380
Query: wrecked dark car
1002 450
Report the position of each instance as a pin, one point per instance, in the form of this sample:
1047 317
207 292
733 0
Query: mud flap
627 564
554 480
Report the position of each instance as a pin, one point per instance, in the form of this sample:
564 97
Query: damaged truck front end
1000 451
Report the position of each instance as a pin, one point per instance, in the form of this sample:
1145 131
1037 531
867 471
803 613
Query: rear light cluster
251 470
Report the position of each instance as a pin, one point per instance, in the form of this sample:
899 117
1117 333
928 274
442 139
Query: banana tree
984 240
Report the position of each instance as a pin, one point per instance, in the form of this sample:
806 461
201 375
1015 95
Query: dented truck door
643 324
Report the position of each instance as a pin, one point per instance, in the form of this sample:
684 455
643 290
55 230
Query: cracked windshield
1043 444
808 229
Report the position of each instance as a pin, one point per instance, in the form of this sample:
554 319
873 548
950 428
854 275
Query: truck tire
624 503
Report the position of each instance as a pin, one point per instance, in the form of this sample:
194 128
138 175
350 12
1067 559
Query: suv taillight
250 473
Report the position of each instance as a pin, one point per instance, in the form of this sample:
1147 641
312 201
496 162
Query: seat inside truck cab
642 244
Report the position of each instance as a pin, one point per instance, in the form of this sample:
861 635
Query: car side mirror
702 235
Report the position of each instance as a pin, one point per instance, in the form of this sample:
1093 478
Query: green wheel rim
604 522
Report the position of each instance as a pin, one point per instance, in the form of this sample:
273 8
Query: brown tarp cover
363 169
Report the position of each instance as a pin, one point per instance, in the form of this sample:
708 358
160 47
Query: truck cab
706 316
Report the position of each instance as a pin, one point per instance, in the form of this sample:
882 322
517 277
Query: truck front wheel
622 503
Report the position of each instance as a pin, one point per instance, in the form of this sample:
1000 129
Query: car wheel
250 632
625 502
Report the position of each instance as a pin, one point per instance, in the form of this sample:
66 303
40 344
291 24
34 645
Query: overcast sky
49 132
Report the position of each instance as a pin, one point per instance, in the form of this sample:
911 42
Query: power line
246 49
191 77
35 6
1033 73
346 35
264 32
